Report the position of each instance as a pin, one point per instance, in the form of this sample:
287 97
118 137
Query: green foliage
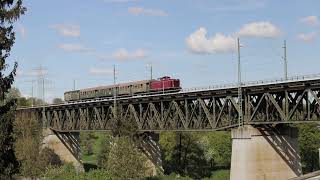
65 172
104 151
86 141
98 139
10 11
48 158
125 127
99 174
168 143
120 155
309 144
32 159
68 172
217 147
172 176
184 155
125 161
57 101
219 175
27 146
8 162
14 94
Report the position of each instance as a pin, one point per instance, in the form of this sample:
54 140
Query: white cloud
198 42
67 30
261 29
100 71
310 20
74 48
148 12
307 37
123 54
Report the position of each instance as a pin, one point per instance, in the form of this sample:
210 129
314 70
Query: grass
222 174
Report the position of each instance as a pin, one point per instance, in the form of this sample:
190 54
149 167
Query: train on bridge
162 85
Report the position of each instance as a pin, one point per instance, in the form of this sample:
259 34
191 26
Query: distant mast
285 60
239 85
114 92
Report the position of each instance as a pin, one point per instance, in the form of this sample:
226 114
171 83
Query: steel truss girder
189 113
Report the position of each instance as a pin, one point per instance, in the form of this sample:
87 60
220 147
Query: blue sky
190 40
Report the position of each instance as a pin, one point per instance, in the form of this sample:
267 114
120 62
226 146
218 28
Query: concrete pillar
264 153
151 148
65 145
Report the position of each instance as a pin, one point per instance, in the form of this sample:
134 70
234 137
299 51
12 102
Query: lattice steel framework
294 102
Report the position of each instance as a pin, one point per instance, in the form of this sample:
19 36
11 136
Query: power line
40 72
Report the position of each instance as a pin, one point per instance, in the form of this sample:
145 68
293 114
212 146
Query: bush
49 158
27 146
104 150
125 161
172 176
68 172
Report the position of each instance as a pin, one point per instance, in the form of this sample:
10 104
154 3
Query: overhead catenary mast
114 92
239 85
32 96
285 60
150 71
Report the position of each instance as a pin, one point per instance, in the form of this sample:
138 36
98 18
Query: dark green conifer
10 11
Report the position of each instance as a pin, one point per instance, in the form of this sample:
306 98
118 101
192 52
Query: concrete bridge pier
264 153
65 144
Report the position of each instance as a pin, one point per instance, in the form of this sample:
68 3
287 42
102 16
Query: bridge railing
253 83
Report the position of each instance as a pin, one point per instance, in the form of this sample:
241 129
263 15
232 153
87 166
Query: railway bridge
263 146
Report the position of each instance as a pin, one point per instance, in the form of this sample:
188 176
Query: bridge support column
151 148
65 145
264 153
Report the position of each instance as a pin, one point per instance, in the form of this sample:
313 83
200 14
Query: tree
104 151
125 161
10 11
27 146
86 140
217 148
48 158
57 101
69 172
183 155
309 144
120 154
14 93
